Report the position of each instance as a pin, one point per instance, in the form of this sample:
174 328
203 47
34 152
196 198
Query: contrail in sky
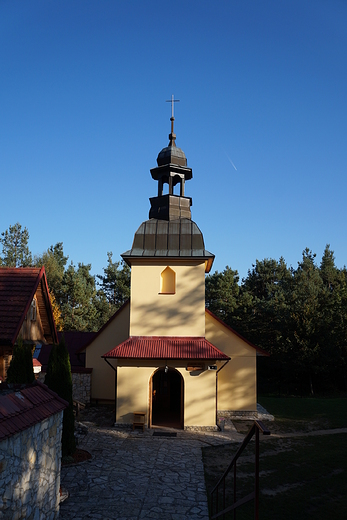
230 161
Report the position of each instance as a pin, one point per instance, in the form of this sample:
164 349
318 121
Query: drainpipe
115 389
219 428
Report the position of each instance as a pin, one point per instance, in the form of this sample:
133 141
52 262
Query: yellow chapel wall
237 381
103 377
156 314
133 393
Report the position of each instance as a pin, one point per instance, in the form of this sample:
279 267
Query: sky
262 120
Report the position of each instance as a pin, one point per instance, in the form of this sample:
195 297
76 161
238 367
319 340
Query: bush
21 369
58 378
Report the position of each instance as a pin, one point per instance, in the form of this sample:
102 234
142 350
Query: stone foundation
260 413
30 472
81 385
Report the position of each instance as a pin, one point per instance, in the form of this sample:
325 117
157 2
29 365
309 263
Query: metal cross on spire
172 101
172 136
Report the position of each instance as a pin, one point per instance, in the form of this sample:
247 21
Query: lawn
301 477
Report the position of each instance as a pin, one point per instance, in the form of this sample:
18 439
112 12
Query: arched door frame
150 415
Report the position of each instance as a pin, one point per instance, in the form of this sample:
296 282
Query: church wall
200 399
133 393
179 314
237 383
103 378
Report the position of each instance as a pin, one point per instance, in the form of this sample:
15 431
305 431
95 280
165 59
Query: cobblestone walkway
134 475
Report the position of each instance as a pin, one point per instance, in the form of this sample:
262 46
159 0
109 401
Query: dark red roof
17 289
22 407
166 347
75 341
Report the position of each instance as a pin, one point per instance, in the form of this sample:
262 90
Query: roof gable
259 350
105 326
18 287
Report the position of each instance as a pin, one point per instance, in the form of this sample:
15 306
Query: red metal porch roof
166 347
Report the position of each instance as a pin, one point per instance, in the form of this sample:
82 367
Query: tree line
298 316
80 301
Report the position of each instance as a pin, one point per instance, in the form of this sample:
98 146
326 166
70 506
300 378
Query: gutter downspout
115 389
219 428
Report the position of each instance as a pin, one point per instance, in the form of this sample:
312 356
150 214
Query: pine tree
115 283
58 378
15 250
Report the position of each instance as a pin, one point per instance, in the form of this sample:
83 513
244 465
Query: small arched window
168 281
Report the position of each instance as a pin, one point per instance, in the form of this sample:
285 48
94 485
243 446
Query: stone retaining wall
81 385
30 472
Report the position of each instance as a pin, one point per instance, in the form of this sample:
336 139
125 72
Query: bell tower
172 170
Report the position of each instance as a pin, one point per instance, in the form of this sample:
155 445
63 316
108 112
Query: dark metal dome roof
171 155
179 238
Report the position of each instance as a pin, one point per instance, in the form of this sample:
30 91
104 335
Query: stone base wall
81 386
30 472
260 413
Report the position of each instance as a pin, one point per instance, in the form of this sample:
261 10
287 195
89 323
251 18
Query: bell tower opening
167 398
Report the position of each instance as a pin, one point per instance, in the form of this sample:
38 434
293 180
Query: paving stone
133 475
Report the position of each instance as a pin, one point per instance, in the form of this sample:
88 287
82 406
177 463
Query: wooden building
25 311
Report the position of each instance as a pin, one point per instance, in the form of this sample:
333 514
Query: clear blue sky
262 120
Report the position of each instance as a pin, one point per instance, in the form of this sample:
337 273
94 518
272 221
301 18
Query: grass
324 412
301 477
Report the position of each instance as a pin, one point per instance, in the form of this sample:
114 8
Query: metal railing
257 427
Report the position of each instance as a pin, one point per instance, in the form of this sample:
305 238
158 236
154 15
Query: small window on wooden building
168 281
33 310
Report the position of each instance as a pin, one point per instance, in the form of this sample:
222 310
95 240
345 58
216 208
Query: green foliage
80 300
298 315
15 250
58 378
115 283
21 369
223 294
54 261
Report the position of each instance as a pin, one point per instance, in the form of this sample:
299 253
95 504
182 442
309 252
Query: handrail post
256 498
234 489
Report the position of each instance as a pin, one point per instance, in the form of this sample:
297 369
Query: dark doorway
167 398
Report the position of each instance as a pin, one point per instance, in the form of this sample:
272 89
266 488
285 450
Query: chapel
163 353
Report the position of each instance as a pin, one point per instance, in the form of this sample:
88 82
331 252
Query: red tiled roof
17 290
166 347
259 350
21 408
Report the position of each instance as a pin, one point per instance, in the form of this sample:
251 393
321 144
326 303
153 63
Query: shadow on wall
174 311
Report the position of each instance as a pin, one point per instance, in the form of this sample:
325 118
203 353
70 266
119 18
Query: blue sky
262 120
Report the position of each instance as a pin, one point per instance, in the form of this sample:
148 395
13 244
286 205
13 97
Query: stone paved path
134 475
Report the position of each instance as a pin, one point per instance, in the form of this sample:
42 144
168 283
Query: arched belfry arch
167 398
